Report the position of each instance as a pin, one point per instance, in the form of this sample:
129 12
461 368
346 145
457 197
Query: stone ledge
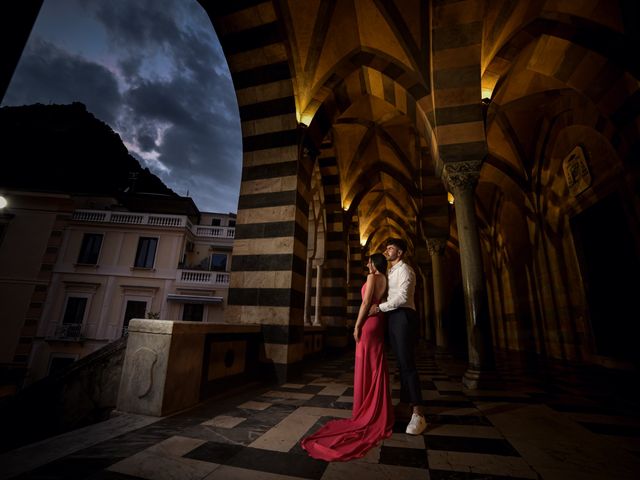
174 327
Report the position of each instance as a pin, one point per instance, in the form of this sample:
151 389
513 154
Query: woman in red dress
372 415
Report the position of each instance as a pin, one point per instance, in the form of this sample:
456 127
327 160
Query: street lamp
3 202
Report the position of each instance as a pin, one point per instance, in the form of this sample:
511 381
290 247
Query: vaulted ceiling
396 88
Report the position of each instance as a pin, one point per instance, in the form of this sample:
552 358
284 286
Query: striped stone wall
456 52
357 272
268 266
334 295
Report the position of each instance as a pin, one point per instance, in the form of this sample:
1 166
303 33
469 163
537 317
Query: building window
193 312
218 262
146 253
135 309
90 248
74 313
71 326
215 222
232 223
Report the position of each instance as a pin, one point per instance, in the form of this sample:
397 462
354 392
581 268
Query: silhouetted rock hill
64 148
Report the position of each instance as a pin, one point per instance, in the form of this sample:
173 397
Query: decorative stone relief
461 175
143 360
436 246
576 171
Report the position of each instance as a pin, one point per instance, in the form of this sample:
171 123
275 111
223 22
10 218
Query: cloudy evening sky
154 71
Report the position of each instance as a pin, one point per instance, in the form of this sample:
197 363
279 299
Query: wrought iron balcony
68 331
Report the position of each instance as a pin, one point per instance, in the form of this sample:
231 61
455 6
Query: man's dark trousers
403 336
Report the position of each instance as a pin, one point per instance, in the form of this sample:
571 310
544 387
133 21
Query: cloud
180 110
159 78
48 74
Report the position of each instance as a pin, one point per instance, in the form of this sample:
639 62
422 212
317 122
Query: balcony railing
68 331
153 220
199 277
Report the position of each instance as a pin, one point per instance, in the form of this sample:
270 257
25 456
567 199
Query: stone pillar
307 292
435 247
461 179
427 301
316 318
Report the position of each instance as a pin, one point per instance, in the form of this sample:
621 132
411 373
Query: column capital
436 245
461 175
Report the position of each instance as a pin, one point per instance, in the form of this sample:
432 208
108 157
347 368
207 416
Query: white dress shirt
402 285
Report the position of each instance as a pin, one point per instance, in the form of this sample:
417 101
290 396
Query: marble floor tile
214 452
251 405
447 385
466 431
403 456
459 402
513 467
607 419
372 456
493 446
164 462
31 456
286 434
228 472
335 389
402 440
457 420
630 431
522 428
554 445
451 411
175 446
369 471
224 421
625 443
108 475
288 395
323 381
279 463
494 393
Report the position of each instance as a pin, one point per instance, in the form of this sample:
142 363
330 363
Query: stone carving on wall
461 175
576 171
144 359
436 246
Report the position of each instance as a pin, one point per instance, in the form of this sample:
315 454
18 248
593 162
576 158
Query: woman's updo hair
380 262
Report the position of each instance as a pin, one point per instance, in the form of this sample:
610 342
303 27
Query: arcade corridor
501 140
560 423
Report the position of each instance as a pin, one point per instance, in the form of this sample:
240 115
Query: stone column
427 301
316 319
307 292
435 247
461 179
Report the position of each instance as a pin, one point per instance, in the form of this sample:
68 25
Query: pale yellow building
73 276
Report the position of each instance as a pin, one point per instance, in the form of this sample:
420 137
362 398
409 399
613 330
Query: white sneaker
416 425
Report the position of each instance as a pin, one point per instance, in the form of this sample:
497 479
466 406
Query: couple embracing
372 416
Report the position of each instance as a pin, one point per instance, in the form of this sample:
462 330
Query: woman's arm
365 305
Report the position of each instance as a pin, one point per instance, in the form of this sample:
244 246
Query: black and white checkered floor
567 427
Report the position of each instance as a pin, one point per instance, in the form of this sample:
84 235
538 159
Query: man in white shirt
403 329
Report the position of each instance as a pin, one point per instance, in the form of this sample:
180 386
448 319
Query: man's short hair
399 243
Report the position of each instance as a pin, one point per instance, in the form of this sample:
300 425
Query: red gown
372 415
